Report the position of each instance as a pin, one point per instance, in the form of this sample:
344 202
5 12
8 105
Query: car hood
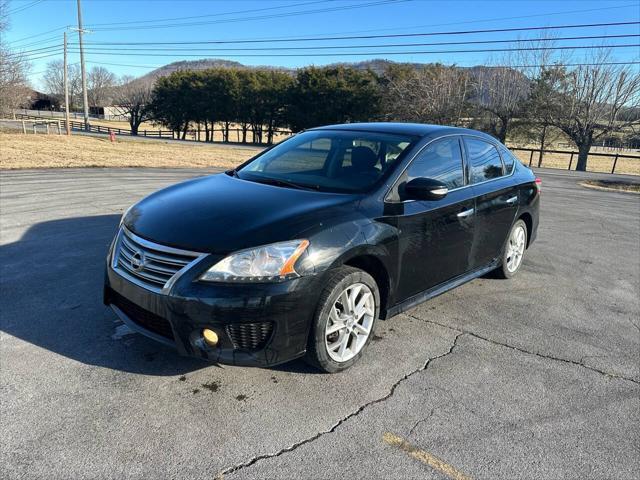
221 214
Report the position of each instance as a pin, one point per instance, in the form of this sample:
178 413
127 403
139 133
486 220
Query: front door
435 237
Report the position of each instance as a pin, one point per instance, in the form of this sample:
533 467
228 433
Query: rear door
436 237
496 199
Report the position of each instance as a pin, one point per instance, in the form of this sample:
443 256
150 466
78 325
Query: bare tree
54 82
14 88
500 92
593 100
431 94
100 86
4 16
539 64
132 99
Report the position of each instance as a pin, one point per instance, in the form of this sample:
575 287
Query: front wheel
514 249
344 321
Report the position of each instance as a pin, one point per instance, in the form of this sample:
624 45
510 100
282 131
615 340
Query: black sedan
300 250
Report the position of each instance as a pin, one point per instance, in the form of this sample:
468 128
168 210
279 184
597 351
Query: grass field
53 151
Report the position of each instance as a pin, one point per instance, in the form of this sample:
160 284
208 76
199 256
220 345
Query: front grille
146 319
250 336
148 264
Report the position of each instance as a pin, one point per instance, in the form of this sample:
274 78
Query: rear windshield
326 160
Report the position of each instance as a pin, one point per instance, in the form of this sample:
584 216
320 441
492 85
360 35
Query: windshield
326 160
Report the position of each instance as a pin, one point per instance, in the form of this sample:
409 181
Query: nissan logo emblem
138 261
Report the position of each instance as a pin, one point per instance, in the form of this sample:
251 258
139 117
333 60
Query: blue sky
36 27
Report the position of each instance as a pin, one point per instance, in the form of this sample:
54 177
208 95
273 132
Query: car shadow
51 291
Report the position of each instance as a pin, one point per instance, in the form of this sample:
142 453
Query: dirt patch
613 185
212 387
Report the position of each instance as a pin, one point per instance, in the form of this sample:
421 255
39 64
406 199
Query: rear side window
441 160
484 160
508 159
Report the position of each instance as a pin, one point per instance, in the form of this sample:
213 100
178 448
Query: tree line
261 101
585 104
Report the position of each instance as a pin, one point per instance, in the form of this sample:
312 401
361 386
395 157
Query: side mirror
421 188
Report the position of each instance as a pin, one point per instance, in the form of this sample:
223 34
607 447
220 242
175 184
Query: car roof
414 129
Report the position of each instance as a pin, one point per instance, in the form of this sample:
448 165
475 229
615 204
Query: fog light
210 337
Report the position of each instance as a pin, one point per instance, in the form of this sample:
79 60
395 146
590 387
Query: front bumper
257 324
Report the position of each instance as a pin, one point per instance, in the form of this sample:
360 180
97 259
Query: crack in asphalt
460 333
355 413
537 354
421 421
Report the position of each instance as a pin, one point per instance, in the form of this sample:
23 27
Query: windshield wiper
284 183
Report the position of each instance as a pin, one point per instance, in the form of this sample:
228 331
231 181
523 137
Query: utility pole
66 88
85 100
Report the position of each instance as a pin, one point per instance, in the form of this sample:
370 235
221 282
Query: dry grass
630 166
612 185
53 151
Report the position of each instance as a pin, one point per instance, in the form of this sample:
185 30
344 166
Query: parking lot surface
536 377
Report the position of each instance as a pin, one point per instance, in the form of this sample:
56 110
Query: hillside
200 64
377 65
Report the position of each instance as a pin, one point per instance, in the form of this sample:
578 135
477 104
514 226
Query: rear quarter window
509 159
484 160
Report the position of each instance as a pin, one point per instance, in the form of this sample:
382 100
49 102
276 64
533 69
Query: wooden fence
535 156
197 135
539 160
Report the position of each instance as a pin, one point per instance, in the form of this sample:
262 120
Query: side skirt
439 290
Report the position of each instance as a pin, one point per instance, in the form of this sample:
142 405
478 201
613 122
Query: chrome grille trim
162 265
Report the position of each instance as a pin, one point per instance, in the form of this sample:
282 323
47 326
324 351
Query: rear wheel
344 321
514 249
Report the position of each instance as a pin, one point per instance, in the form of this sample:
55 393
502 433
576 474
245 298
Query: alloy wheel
349 324
515 248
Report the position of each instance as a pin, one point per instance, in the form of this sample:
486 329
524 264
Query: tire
515 247
349 326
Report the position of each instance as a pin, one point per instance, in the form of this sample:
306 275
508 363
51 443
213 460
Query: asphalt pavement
535 377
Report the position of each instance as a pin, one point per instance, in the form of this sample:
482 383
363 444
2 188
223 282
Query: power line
486 20
224 42
45 56
360 37
44 43
35 50
22 8
259 17
423 52
211 15
37 35
325 47
125 65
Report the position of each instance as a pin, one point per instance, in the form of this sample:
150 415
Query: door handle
465 213
512 200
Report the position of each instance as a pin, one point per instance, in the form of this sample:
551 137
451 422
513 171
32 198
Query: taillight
538 184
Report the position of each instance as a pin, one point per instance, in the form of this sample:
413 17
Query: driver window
441 160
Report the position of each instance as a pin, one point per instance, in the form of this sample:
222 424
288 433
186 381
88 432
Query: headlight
267 263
